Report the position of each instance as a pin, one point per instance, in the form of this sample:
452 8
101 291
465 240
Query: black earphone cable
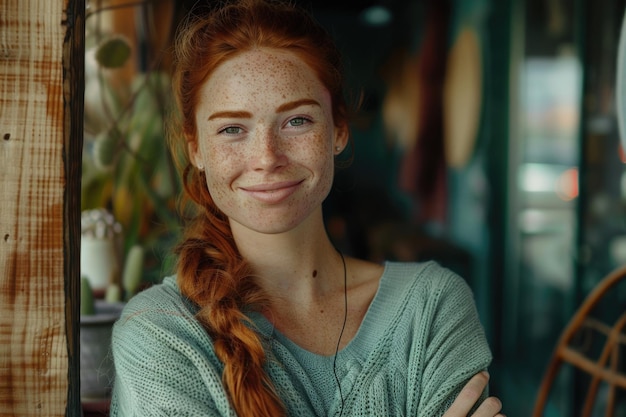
343 327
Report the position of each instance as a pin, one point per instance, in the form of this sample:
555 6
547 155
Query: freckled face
266 140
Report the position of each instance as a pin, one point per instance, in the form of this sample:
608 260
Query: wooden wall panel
41 53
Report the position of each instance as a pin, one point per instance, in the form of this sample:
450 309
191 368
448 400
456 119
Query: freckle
322 311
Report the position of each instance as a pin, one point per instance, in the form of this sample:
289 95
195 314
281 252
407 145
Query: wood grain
40 138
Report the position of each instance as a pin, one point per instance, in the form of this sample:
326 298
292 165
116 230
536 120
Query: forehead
261 72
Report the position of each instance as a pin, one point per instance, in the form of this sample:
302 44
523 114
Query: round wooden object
462 96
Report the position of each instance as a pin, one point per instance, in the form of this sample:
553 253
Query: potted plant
129 189
101 306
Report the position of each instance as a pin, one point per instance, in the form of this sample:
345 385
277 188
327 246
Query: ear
194 154
342 133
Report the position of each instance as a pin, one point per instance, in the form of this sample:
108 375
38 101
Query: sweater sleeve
456 347
164 364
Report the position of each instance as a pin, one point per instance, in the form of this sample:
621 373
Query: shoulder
436 301
164 298
422 278
417 295
425 295
159 312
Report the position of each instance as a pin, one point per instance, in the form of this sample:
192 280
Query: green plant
126 166
132 275
87 301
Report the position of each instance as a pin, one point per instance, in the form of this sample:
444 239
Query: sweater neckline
378 314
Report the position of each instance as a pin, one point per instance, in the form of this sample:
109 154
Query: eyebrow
234 114
231 115
295 104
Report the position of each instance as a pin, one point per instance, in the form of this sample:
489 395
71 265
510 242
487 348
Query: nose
268 153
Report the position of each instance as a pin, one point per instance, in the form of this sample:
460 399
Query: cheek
219 160
218 186
220 169
321 159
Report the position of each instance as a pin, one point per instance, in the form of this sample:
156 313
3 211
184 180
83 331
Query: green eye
231 130
297 121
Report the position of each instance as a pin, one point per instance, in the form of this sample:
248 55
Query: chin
272 225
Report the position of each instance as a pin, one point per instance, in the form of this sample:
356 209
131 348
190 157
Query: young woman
265 317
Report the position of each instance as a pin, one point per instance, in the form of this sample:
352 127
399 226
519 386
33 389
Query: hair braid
212 274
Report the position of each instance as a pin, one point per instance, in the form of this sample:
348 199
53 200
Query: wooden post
41 112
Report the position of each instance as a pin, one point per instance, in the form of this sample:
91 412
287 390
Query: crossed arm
471 392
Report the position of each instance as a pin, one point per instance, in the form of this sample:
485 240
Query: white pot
99 261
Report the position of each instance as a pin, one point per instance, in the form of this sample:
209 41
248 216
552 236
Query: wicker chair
605 366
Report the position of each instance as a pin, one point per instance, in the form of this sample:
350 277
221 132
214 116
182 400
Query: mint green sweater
419 342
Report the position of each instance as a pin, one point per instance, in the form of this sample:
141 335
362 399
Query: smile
272 193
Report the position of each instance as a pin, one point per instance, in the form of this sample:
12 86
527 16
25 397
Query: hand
468 396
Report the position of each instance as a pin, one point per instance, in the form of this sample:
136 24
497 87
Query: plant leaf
113 53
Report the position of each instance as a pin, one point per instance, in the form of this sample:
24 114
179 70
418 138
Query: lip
272 193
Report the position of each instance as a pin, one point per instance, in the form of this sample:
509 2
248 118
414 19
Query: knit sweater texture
419 342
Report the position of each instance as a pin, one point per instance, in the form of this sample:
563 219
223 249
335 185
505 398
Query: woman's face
266 140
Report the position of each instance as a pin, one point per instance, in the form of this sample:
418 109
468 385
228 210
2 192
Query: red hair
211 271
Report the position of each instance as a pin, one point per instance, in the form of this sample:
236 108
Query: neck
302 261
